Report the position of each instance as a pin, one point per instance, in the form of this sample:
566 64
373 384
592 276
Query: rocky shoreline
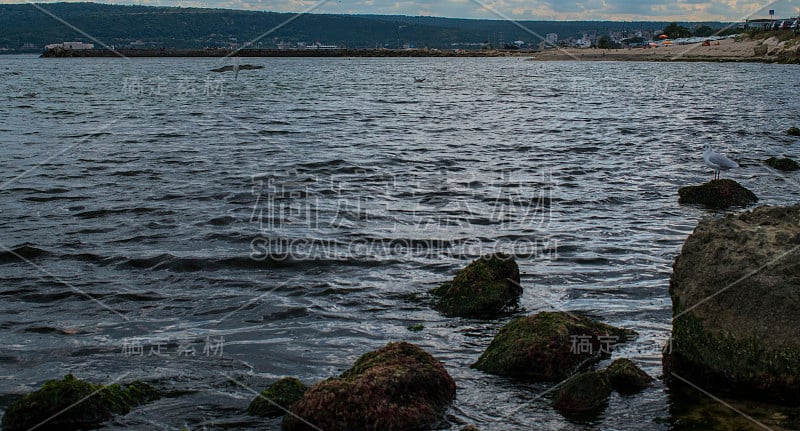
735 303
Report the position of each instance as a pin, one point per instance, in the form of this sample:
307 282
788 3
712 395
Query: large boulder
277 398
485 288
793 131
73 404
735 291
584 393
398 387
717 194
549 346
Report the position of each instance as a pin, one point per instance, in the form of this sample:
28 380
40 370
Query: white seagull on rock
717 161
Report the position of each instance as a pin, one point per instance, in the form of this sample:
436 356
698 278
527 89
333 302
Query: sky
612 10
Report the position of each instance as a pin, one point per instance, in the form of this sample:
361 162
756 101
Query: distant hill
25 27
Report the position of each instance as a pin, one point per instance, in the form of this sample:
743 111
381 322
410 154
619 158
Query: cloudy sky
682 10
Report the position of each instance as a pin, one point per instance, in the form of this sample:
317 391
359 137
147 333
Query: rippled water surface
210 235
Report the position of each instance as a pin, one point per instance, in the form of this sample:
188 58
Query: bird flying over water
717 161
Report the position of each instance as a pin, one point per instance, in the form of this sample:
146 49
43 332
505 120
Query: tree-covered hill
130 26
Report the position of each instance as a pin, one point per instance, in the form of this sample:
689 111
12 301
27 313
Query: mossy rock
398 387
487 287
717 194
735 305
690 409
277 398
626 378
585 393
416 327
470 428
782 164
793 131
549 346
76 404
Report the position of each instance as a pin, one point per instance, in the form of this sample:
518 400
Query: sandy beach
726 50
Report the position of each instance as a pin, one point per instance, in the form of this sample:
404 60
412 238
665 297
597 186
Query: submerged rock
398 387
81 404
735 305
782 164
549 346
277 398
626 378
584 393
717 194
793 131
485 288
230 68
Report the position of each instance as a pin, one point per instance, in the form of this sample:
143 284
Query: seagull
717 161
418 80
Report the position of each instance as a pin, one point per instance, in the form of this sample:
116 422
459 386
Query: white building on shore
70 45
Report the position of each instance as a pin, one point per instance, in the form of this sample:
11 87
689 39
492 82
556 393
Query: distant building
70 45
317 45
551 39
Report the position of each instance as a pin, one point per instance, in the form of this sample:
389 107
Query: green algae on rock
626 378
549 346
584 393
717 194
782 164
416 327
398 387
72 404
735 304
485 288
277 398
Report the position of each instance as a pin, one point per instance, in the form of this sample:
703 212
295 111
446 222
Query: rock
584 393
230 68
760 50
549 346
81 404
690 409
735 291
626 378
277 398
717 194
416 327
398 387
485 288
470 428
782 164
793 131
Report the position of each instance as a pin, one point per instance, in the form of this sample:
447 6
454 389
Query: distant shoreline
728 50
218 53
